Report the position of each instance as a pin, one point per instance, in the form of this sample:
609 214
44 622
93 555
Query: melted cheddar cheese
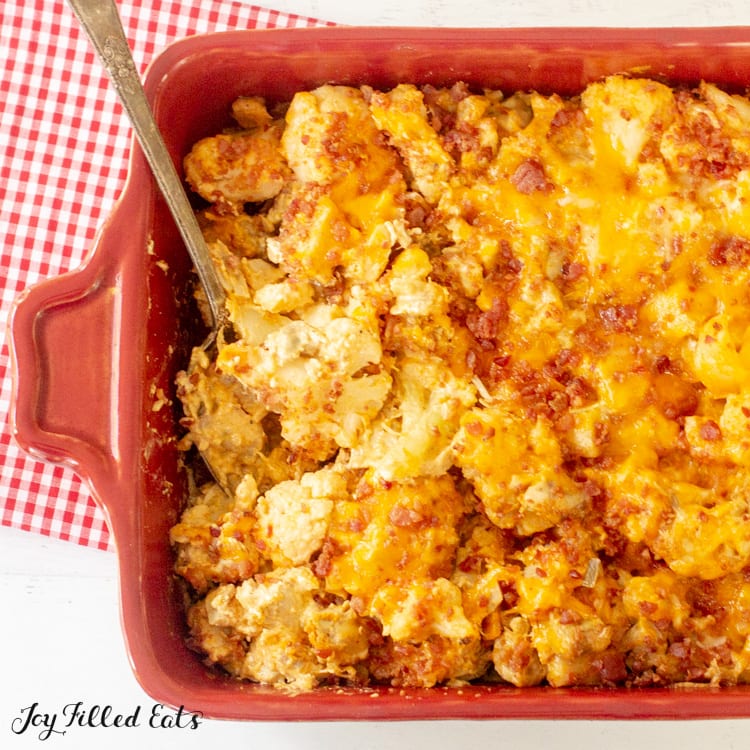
487 411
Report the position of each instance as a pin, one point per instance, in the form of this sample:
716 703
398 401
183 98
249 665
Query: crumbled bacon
732 251
710 431
618 318
529 178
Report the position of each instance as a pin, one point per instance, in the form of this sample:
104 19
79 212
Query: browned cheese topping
487 414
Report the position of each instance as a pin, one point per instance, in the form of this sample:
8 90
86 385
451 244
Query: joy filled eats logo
45 724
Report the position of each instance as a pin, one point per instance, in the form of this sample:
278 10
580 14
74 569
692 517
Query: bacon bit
372 628
356 525
680 649
572 271
510 595
215 531
363 490
486 326
498 367
477 429
729 251
323 564
415 216
675 397
529 177
460 140
580 391
567 358
470 564
566 115
662 364
405 518
570 617
611 667
648 608
710 431
618 318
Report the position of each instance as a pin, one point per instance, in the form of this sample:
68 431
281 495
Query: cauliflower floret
413 293
706 540
639 500
678 310
284 296
514 466
574 653
315 377
393 533
348 195
412 437
251 112
658 597
245 235
734 427
329 135
420 609
214 540
288 637
402 114
626 113
293 516
716 356
514 656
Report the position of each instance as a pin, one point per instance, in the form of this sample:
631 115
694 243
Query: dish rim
108 462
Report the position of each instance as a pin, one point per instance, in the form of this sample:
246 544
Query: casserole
126 314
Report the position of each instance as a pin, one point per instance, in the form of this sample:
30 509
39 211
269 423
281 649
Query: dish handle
63 342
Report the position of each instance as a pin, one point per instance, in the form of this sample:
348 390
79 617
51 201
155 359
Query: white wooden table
59 625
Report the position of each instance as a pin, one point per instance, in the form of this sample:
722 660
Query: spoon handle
101 22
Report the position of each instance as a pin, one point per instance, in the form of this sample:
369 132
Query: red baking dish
92 349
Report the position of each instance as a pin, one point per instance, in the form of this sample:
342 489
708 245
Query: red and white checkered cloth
64 146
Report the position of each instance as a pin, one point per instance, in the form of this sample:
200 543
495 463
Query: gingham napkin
64 146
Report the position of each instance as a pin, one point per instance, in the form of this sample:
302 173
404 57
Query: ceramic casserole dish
96 351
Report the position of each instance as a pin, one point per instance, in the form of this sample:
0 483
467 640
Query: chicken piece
232 169
287 637
214 539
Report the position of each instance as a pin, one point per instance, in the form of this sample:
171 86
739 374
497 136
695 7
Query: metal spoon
101 22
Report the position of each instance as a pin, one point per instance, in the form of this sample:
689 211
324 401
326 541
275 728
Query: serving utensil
101 21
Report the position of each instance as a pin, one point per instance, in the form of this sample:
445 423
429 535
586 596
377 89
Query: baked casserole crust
487 412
